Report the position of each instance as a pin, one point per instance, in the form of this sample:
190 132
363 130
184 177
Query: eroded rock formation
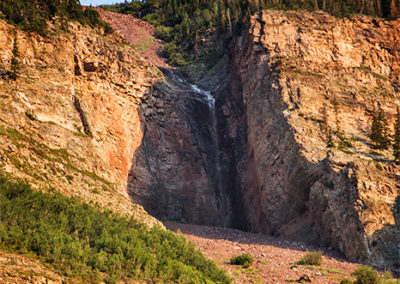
70 121
90 118
303 76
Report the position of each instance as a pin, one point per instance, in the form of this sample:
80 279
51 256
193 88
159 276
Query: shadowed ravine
254 155
178 161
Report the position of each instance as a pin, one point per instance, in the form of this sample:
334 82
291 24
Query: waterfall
206 97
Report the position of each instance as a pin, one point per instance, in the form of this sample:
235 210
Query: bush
81 241
244 260
387 275
175 57
311 258
346 281
366 275
163 33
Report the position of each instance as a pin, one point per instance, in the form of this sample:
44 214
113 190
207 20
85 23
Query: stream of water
210 100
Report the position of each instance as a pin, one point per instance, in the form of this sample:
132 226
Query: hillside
138 33
275 138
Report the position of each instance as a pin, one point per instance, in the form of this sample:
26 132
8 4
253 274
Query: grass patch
332 270
368 70
245 260
313 258
144 45
23 166
15 136
80 134
314 119
61 155
57 66
366 275
297 70
81 241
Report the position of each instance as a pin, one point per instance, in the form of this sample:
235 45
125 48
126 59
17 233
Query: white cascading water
206 95
210 100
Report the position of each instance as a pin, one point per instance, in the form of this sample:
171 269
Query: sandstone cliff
299 76
70 121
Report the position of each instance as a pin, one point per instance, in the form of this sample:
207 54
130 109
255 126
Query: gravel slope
273 258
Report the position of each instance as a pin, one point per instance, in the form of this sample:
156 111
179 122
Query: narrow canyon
244 146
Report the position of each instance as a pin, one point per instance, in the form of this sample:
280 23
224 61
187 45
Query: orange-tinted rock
301 76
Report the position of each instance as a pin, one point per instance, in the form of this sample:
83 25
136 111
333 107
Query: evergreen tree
396 138
15 60
379 130
33 15
326 129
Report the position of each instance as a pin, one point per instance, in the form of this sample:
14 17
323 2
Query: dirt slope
138 33
274 258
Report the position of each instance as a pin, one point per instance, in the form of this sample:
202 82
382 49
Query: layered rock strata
306 77
70 121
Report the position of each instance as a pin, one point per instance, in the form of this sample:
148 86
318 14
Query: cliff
299 77
70 121
249 147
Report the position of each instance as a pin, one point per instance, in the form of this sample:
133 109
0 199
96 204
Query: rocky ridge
70 121
301 76
15 268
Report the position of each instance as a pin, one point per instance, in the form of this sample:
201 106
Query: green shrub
244 260
163 33
311 258
346 281
387 275
81 241
366 275
175 57
391 281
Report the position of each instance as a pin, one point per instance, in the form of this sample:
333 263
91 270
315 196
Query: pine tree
379 130
375 126
15 60
396 138
326 129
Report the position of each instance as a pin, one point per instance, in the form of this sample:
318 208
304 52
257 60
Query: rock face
291 81
299 77
174 174
71 119
90 118
19 269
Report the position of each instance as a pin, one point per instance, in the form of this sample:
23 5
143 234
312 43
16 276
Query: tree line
33 15
183 23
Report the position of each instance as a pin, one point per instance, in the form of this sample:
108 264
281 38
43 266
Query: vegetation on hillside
185 23
244 260
396 138
33 15
15 60
379 130
80 241
311 258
